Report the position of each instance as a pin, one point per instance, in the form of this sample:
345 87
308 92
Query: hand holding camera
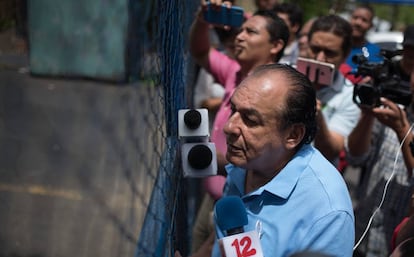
392 115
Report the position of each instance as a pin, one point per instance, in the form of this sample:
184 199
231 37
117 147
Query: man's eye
250 30
315 49
248 121
331 54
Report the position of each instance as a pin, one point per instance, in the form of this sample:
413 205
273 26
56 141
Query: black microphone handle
235 231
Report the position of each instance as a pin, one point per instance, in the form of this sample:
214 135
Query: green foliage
314 8
396 14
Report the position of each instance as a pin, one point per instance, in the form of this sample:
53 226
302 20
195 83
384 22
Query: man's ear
294 136
277 46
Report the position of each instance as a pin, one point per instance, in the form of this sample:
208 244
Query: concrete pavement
78 159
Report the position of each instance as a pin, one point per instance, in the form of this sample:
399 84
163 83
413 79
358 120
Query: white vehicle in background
390 40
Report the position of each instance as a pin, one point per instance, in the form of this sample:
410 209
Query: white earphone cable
385 189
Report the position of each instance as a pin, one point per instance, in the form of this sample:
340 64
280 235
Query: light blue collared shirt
305 207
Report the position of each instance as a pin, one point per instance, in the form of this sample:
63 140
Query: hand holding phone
318 72
233 16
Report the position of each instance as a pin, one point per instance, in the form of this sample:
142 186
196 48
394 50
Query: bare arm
212 103
391 115
199 40
359 140
200 45
329 143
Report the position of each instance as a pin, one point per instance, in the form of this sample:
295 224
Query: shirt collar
282 184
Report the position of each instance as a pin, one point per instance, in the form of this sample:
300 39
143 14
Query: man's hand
217 3
391 115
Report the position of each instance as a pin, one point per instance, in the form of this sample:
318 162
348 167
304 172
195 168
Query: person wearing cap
381 142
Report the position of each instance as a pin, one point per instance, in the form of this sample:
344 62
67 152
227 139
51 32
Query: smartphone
317 72
232 17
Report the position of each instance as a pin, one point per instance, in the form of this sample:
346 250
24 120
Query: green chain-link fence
88 130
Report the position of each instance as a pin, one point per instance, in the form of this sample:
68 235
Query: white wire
385 190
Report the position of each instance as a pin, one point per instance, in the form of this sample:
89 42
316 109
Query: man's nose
320 56
231 125
241 35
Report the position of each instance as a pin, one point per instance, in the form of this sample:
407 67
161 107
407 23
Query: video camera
385 81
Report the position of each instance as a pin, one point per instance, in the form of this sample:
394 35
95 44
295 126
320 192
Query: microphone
192 118
198 154
193 125
231 217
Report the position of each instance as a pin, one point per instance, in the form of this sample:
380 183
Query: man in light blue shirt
295 198
306 206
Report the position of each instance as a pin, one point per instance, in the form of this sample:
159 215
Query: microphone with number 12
231 217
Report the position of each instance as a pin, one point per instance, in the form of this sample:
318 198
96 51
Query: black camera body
385 81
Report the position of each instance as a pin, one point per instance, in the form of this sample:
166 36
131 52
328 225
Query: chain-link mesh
90 167
165 223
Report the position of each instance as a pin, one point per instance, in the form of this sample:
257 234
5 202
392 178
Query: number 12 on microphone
245 244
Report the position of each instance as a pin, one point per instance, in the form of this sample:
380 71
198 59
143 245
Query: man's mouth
233 148
238 48
357 28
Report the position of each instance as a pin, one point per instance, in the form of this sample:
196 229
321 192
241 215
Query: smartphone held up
318 72
233 16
